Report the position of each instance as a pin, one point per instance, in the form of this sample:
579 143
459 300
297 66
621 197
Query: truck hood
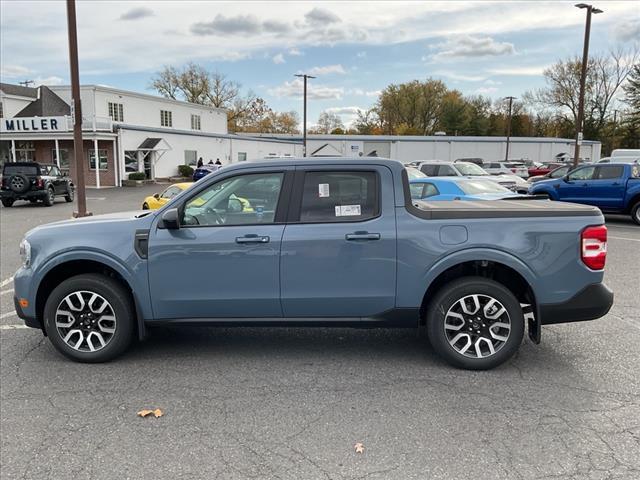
119 221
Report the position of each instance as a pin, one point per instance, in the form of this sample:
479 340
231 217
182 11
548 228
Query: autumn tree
328 122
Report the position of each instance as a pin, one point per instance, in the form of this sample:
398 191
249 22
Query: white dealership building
130 131
133 131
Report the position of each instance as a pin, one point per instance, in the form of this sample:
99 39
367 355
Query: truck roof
317 161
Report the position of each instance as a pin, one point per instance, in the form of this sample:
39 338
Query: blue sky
354 48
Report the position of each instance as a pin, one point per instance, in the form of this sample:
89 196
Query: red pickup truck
544 169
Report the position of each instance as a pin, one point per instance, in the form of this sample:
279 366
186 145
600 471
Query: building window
92 159
242 156
116 112
165 118
195 122
64 158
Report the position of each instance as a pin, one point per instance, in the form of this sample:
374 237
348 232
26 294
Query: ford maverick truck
309 242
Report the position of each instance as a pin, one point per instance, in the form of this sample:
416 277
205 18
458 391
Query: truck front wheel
475 323
89 318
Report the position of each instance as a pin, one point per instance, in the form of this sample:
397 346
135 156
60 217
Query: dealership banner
34 124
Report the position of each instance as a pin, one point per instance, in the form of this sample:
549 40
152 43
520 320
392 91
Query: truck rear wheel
89 318
49 198
635 213
475 323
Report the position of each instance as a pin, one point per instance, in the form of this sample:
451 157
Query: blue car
203 171
456 188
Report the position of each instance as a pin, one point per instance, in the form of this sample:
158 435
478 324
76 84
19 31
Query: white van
626 152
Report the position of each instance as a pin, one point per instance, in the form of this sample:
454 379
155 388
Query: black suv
34 181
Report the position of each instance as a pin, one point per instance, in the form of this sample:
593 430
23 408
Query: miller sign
34 124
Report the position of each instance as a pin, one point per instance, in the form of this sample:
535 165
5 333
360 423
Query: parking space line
7 315
6 291
624 238
6 282
13 327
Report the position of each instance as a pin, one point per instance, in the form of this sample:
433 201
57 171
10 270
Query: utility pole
583 78
304 116
26 83
76 111
506 154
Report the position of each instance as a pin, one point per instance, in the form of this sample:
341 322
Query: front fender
134 272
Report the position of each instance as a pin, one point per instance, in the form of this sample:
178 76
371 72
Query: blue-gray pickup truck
308 242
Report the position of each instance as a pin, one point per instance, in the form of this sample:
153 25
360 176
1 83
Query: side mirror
234 205
171 219
156 196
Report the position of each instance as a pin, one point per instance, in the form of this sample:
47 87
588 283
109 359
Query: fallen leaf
156 413
359 448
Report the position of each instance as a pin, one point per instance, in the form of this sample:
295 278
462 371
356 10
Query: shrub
137 176
185 171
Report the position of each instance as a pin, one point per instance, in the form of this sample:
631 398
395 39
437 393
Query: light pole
76 111
583 78
304 116
506 155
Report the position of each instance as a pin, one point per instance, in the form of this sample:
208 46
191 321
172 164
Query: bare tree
194 84
167 83
222 91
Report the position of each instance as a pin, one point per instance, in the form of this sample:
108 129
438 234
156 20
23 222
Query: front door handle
362 236
252 238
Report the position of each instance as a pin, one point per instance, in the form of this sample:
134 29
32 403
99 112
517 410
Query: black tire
119 302
19 183
145 206
50 198
635 213
7 202
70 194
448 297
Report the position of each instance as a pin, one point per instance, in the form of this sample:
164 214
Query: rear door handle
362 236
252 238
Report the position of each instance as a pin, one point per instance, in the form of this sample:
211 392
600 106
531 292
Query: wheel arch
500 267
77 264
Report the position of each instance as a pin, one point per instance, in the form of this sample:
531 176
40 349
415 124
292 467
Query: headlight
25 252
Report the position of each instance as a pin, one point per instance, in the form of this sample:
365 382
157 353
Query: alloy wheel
477 326
17 183
85 321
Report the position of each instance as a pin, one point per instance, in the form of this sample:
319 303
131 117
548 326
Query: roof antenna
26 83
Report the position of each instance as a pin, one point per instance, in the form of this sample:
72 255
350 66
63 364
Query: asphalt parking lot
291 403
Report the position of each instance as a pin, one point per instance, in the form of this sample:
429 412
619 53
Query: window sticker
323 190
348 211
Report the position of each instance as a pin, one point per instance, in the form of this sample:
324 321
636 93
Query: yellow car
157 200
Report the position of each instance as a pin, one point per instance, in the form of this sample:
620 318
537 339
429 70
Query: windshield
472 187
414 173
467 169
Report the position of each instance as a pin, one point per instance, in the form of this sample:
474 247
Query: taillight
513 170
594 247
39 183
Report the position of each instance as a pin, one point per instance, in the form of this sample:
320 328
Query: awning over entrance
154 145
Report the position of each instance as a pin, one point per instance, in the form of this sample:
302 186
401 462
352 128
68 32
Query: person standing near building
200 163
218 162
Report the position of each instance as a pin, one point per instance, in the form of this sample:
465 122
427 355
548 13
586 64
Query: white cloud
279 58
294 89
627 31
52 80
365 93
344 110
321 16
524 71
489 81
14 71
460 76
294 52
473 46
327 70
361 54
486 90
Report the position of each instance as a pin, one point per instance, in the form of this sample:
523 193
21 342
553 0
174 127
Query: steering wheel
218 218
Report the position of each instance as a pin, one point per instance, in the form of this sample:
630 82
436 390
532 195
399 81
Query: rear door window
585 173
610 172
429 170
446 171
17 169
339 196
